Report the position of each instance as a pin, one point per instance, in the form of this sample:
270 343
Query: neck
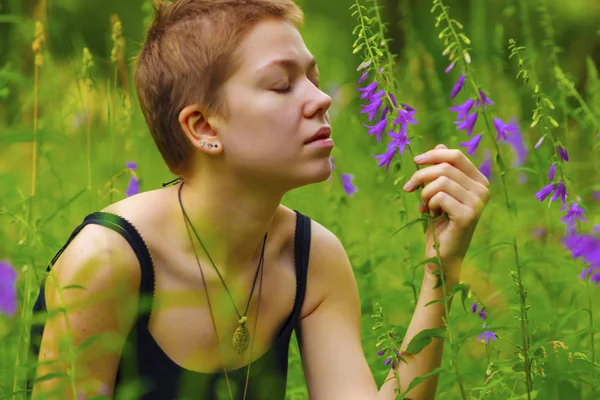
231 220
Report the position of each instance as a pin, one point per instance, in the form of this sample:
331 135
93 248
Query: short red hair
188 54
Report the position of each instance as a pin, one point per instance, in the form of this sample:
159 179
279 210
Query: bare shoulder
96 281
143 208
100 252
103 253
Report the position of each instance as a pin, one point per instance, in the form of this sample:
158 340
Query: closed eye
284 90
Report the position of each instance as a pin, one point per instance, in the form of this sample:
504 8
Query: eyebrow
288 64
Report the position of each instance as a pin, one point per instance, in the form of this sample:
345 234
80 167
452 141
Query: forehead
271 40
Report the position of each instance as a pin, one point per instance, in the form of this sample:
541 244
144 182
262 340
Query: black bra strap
130 233
301 255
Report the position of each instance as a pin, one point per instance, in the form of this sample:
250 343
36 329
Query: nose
318 103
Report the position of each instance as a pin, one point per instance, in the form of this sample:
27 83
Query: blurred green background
365 221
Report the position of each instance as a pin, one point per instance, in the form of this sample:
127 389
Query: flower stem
454 357
390 82
89 139
512 212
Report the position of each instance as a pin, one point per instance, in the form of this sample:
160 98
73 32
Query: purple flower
502 128
405 116
573 213
474 307
363 77
545 192
584 246
388 361
486 336
486 166
515 140
562 152
449 67
349 188
133 187
384 113
368 90
380 352
551 172
472 144
467 124
400 141
377 129
393 100
131 165
483 314
462 109
386 158
458 86
372 108
484 98
380 94
561 192
8 289
411 111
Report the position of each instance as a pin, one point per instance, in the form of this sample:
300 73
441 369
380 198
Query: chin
317 175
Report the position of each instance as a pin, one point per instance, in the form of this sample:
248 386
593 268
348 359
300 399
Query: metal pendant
241 339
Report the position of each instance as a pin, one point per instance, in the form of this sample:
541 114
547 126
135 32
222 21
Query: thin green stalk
71 373
454 357
372 57
111 128
89 140
503 170
37 49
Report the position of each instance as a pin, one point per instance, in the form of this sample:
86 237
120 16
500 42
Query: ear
195 125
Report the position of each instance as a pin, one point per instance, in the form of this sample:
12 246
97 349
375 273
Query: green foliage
535 59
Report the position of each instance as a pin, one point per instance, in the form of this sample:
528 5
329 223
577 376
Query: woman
195 289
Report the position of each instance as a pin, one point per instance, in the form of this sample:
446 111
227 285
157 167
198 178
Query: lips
322 133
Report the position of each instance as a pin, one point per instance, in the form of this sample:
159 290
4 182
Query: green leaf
62 207
18 136
88 342
73 287
524 169
489 247
420 379
414 221
52 375
433 260
423 338
433 302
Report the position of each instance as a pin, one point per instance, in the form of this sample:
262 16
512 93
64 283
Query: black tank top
146 369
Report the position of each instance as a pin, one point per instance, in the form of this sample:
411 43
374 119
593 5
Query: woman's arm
335 366
424 317
102 262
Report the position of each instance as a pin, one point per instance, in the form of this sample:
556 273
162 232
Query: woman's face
275 106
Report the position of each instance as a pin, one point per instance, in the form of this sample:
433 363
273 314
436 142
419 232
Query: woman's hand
454 187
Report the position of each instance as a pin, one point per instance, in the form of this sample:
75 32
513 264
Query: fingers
463 215
448 186
431 173
454 157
